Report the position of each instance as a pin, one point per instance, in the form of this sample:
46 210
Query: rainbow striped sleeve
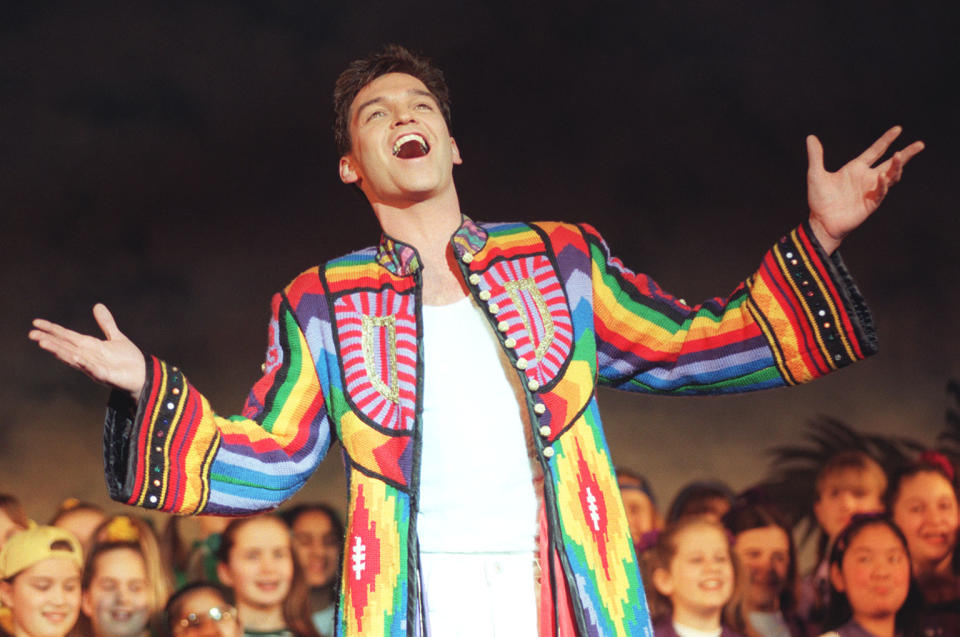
171 452
797 318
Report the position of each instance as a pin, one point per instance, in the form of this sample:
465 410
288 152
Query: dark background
174 160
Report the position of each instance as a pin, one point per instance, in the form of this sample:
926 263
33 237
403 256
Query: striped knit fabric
344 362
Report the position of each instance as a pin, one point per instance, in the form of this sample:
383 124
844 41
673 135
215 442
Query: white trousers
480 594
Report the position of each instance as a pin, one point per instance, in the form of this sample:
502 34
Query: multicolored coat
344 362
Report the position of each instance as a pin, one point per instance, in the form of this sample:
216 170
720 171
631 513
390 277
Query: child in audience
692 579
923 503
256 561
80 518
125 582
317 538
202 609
850 482
709 497
639 504
12 517
117 598
40 581
872 594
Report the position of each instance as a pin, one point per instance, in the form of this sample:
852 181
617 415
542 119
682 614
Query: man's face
401 150
844 493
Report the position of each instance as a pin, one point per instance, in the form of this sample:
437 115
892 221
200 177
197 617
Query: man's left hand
841 201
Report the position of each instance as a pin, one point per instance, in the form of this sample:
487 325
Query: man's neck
427 226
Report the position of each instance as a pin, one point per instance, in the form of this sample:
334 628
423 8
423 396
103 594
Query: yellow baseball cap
35 544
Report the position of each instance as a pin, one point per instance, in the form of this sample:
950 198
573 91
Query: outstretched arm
842 200
114 361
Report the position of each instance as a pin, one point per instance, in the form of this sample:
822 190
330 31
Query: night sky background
174 160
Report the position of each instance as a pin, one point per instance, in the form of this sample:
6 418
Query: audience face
82 523
844 493
764 553
700 578
640 512
7 527
118 601
204 613
45 598
925 509
316 546
874 573
260 564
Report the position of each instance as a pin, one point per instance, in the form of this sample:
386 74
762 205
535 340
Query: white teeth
409 137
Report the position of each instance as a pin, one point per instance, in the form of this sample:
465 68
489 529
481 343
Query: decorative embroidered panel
529 299
378 345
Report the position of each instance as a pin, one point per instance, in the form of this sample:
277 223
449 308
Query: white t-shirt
476 482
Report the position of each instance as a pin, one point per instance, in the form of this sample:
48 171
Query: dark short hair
392 58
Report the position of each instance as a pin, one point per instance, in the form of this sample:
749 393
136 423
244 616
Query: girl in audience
80 518
871 589
40 581
922 500
202 609
256 561
763 605
125 583
317 539
12 517
693 579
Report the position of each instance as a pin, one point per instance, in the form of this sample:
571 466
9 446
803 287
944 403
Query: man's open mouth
410 146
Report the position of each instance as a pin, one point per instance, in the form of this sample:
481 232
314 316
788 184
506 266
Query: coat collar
402 259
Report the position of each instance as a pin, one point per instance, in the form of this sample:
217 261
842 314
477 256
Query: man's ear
836 578
663 582
455 152
348 173
223 574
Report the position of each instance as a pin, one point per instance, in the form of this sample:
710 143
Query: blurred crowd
714 562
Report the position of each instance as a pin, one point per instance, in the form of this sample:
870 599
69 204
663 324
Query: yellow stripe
826 295
785 372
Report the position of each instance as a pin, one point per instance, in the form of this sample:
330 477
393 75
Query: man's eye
374 115
424 107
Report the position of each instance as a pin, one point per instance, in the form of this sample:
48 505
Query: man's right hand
114 361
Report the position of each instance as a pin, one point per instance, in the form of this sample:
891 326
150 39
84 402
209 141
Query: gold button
484 295
544 431
474 278
533 385
548 452
494 308
502 326
263 367
510 342
521 363
467 257
539 409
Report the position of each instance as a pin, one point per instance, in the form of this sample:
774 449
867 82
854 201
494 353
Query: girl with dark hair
764 603
872 593
256 561
317 538
922 500
201 609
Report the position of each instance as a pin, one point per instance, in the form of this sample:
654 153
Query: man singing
457 362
